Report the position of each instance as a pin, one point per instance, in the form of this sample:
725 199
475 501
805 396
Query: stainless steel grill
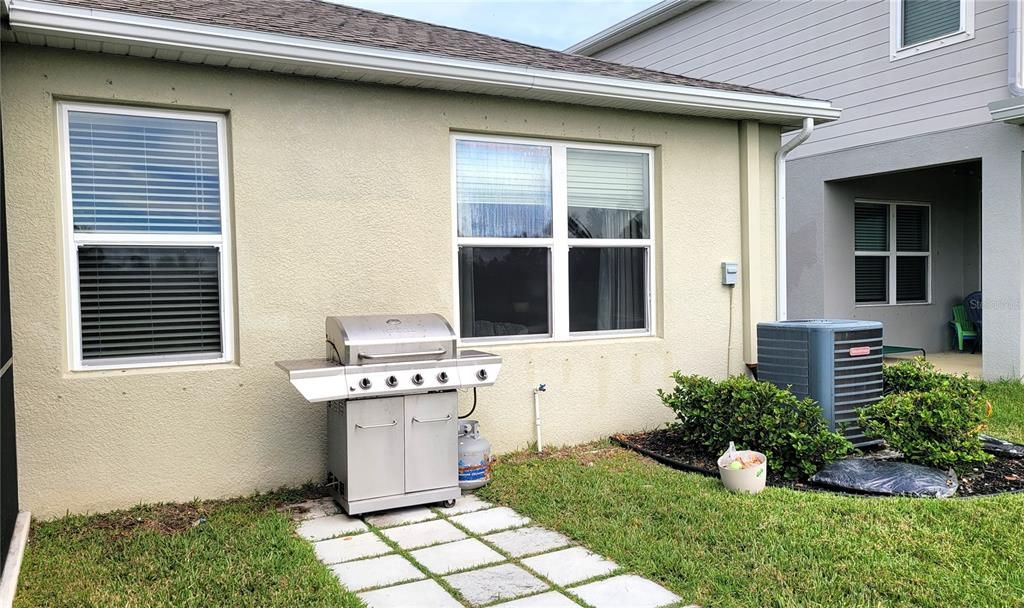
389 382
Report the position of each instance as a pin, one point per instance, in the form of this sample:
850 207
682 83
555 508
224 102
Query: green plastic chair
963 327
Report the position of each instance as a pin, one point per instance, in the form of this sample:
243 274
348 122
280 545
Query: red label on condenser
860 351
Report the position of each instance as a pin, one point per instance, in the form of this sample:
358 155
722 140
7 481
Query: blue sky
554 24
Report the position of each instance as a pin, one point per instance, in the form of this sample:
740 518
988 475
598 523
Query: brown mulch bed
1004 474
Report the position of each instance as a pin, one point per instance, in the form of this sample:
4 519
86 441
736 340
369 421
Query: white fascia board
33 16
631 26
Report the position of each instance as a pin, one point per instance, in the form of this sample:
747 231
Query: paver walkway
473 554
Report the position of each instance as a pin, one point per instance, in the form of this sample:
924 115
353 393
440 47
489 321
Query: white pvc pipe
1015 65
780 216
15 554
536 413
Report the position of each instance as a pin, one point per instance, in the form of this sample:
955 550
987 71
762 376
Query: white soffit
55 25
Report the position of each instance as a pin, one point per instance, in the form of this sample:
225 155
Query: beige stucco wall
341 205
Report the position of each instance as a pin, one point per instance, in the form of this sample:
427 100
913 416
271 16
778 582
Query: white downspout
1015 48
780 215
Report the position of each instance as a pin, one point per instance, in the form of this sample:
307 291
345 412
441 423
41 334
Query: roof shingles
321 20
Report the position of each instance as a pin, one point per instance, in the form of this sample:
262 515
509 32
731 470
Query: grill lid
362 339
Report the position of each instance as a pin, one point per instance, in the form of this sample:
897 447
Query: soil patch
1004 474
165 519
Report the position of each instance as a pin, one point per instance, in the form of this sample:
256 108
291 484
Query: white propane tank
474 456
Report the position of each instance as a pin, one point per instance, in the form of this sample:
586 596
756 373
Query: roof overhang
62 26
644 20
1008 110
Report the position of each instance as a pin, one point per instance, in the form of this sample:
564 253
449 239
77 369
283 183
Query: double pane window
554 239
145 203
893 253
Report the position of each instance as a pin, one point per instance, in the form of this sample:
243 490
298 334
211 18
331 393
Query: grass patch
1007 399
240 552
780 548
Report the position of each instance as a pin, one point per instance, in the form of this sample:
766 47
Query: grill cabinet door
375 438
431 441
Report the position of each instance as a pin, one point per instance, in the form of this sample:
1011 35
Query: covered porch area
951 362
913 254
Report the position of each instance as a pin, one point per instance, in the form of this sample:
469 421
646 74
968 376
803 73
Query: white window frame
898 51
558 244
893 254
72 240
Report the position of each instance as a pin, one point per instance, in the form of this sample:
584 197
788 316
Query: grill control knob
482 374
365 383
392 381
417 379
442 377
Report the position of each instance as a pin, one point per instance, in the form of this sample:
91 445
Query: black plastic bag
887 477
994 445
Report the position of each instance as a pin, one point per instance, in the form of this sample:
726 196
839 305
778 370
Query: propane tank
474 456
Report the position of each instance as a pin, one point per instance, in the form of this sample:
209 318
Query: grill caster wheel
448 504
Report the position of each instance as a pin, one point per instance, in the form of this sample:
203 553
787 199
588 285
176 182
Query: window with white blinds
553 239
920 25
146 214
892 262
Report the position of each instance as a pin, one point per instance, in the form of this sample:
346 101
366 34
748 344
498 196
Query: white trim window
553 240
147 236
892 259
916 26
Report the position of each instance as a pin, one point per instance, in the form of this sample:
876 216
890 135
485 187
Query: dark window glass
911 279
872 279
149 301
504 291
911 228
871 227
607 288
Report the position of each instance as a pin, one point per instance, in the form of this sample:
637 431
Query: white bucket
749 479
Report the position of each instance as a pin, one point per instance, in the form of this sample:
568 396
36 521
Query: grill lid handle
437 352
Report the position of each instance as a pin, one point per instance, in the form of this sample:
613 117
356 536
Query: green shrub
920 375
757 416
932 417
937 427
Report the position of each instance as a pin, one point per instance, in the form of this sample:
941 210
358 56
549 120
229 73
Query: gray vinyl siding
836 50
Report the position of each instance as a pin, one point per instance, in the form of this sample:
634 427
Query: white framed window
146 236
892 257
553 240
916 26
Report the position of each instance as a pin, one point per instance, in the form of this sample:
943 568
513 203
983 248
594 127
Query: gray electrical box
730 272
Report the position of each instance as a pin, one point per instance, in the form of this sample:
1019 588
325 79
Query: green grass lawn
779 548
245 553
1007 400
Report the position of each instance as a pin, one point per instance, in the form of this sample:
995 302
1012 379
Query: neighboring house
913 199
193 186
